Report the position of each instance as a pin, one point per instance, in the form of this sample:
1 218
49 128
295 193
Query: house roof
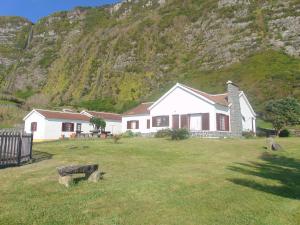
105 115
140 109
61 115
221 99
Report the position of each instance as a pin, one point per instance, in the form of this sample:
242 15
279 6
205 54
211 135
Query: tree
283 112
98 123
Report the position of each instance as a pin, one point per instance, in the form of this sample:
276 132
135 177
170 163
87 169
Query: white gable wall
180 102
249 121
40 120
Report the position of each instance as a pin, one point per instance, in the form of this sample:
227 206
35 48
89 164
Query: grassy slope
151 181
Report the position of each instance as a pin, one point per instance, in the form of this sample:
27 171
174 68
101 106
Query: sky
36 9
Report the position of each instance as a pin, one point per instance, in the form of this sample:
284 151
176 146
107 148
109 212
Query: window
33 126
67 127
78 127
222 122
160 121
133 125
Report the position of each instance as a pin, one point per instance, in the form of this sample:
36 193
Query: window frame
165 121
33 126
67 127
222 122
129 124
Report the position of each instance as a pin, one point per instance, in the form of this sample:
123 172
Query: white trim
30 113
242 94
178 85
86 113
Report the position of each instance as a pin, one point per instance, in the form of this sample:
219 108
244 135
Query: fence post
19 149
31 141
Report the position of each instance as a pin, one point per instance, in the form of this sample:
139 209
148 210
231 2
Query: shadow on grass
284 170
38 156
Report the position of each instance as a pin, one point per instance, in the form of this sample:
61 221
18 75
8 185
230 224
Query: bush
163 133
180 134
128 134
248 134
116 138
284 133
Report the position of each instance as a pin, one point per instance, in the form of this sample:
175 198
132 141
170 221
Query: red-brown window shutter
148 124
128 125
205 121
153 121
218 121
184 121
227 123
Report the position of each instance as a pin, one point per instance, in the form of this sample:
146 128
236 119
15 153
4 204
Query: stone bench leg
65 180
95 177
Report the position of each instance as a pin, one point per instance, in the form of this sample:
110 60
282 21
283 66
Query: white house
52 125
203 114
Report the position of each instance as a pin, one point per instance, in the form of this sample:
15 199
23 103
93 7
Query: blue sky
36 9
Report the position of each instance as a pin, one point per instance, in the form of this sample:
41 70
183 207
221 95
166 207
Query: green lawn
157 181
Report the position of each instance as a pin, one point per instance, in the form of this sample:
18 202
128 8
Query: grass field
156 181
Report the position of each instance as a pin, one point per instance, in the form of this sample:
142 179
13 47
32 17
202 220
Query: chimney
235 109
67 110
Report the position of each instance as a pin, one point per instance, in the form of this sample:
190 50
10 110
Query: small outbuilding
53 125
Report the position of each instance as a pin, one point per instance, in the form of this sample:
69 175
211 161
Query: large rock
273 145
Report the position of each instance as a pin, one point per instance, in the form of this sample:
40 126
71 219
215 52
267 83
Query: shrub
180 134
128 134
163 133
248 134
284 133
116 138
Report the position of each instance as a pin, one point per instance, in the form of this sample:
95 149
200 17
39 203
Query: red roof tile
106 115
221 99
140 109
62 115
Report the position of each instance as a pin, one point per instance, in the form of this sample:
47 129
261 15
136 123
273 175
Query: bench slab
76 169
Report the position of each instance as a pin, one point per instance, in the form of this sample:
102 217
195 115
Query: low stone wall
203 134
211 134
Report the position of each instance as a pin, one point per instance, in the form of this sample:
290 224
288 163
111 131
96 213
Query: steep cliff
134 50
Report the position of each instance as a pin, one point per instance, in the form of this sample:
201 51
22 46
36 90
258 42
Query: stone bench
92 174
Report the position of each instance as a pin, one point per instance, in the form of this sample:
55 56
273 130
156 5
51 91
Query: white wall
248 115
53 128
40 120
114 127
142 123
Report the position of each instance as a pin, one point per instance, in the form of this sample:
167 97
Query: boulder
272 145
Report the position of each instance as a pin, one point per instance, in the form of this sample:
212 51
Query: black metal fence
15 148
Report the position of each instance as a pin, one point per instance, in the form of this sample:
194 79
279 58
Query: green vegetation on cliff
134 51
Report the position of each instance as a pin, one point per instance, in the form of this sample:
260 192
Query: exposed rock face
128 50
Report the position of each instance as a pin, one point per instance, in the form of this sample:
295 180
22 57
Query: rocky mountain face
133 50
